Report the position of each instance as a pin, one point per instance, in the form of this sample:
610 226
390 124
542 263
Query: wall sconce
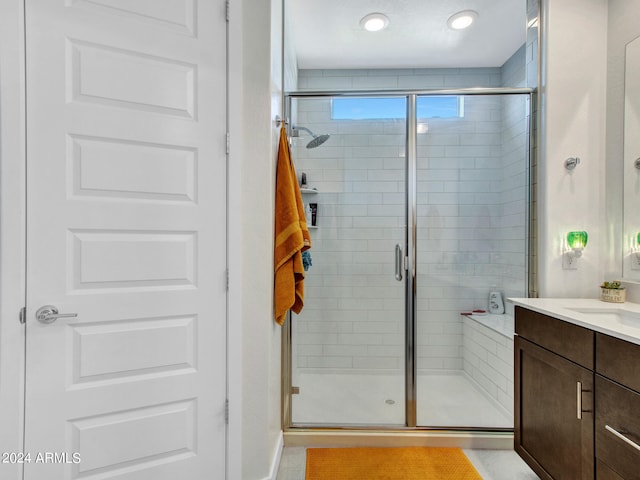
576 242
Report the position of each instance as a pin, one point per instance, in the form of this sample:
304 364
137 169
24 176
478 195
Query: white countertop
591 313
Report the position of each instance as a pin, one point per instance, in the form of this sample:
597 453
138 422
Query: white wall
572 124
418 78
254 338
622 28
582 94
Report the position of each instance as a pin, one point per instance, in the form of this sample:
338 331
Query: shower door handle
399 262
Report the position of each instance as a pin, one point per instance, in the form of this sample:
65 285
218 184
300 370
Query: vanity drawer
570 341
618 360
617 408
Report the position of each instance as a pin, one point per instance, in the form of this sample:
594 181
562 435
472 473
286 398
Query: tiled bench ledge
488 355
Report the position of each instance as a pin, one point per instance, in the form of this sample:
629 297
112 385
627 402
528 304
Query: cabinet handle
579 392
579 400
622 437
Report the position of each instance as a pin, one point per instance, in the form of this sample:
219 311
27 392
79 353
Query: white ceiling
327 34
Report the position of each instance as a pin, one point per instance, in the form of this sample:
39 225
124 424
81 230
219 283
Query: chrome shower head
317 139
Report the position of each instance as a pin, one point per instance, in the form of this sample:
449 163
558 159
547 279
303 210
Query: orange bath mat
412 463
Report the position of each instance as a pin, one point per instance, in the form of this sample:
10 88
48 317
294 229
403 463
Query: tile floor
490 464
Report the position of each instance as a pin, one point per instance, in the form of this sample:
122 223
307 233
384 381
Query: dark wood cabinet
617 408
577 400
554 413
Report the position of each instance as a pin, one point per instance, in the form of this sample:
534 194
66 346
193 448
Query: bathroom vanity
577 388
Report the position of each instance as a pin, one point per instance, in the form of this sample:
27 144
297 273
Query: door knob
49 314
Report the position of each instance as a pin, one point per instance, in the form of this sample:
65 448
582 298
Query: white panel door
126 227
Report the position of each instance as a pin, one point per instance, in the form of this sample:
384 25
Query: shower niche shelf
308 190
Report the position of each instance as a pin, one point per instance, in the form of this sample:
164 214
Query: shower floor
444 400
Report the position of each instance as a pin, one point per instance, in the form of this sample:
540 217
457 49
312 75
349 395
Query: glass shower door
348 343
472 171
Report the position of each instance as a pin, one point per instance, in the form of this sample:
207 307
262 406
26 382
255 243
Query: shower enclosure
421 209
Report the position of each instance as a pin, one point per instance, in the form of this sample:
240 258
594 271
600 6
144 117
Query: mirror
631 205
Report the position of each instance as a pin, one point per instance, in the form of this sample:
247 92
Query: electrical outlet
569 261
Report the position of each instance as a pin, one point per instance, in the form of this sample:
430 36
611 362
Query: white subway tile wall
471 220
354 308
488 360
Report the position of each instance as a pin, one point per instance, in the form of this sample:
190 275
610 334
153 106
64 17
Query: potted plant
612 292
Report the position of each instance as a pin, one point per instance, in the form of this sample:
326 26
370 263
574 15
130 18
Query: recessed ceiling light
462 19
374 22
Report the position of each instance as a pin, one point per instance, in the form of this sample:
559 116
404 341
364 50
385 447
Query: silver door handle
399 262
49 314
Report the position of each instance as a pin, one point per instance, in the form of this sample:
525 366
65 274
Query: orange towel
291 236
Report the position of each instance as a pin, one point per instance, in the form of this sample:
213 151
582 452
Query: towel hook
571 163
279 121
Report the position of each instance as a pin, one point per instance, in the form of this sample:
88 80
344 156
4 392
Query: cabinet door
554 413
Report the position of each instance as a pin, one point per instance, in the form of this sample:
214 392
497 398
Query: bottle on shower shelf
314 214
307 214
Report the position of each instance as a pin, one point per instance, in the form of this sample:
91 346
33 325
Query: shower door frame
411 96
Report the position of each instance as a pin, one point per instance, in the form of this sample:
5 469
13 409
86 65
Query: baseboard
275 462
